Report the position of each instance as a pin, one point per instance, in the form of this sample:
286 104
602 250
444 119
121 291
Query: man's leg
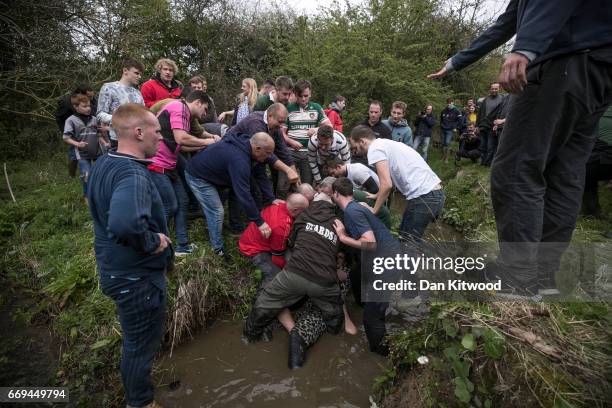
419 213
180 217
417 141
426 141
565 176
484 145
208 197
268 269
303 167
491 148
555 112
328 299
284 290
141 310
374 325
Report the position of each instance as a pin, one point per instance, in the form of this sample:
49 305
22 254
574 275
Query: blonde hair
165 61
251 96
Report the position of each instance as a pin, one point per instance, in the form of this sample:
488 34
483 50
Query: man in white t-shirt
400 166
362 177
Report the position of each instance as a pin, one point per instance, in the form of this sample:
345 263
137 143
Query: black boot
297 350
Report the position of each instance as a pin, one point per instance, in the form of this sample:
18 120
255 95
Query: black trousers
537 178
595 172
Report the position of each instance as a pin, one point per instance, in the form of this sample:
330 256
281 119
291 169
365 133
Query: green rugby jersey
300 120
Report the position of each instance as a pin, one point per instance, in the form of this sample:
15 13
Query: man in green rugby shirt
283 90
302 122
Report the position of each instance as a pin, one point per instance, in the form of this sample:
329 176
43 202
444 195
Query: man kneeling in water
311 271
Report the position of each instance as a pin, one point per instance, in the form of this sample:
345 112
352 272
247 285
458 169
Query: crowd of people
316 199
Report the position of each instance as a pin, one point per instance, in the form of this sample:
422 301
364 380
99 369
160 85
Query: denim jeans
176 203
208 197
419 213
447 137
85 166
418 140
141 307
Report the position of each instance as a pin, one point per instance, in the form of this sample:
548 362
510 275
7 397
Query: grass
47 253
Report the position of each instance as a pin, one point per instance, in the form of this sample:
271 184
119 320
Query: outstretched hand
438 74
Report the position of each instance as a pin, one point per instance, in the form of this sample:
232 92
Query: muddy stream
216 369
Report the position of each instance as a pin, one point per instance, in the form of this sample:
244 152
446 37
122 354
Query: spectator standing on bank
133 251
423 124
450 122
121 92
334 112
163 84
400 130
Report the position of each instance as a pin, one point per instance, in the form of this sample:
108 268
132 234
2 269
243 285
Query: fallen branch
8 183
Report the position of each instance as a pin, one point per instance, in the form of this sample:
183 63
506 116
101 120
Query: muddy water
217 370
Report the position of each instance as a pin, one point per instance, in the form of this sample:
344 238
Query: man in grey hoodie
400 130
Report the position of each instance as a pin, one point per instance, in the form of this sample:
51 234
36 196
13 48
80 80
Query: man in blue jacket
560 75
133 251
230 163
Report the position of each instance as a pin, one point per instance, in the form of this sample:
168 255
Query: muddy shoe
297 350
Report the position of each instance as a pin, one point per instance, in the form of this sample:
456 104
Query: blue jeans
419 213
176 203
418 140
447 137
85 166
208 197
141 307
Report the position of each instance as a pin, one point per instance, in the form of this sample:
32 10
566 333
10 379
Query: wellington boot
297 350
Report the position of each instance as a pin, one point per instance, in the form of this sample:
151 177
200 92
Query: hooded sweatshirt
228 163
315 244
155 90
400 132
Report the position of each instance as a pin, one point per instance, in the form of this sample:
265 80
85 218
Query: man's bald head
262 146
306 190
277 115
296 203
130 116
138 131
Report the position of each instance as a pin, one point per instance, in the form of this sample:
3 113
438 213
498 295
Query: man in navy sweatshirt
230 163
133 251
560 75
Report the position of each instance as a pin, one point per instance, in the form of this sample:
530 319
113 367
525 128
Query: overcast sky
492 7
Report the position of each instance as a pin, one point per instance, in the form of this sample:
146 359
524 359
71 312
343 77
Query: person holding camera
423 124
469 144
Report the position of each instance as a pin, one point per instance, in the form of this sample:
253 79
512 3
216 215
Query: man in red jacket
268 253
162 85
335 109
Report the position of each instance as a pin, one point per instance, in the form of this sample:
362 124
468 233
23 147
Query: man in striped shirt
325 145
302 123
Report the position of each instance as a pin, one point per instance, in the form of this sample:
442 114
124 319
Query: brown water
217 370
